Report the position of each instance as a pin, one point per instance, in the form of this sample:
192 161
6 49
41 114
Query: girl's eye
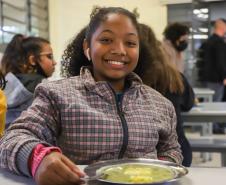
50 56
131 43
105 40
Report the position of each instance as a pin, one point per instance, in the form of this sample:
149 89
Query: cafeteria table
205 93
206 113
196 176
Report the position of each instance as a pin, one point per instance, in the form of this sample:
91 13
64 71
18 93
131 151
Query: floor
214 162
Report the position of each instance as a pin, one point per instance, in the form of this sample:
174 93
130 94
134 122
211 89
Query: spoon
91 178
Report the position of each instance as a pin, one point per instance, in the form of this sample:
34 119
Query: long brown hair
161 74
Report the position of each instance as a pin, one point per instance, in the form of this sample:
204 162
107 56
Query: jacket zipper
125 132
124 126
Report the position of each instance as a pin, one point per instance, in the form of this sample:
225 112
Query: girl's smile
114 49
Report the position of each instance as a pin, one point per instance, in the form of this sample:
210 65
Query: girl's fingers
73 167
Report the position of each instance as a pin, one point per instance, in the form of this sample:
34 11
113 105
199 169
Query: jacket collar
102 87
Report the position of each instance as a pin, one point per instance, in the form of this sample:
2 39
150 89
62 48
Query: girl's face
183 38
114 49
47 61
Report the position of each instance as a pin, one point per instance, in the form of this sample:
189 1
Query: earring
87 54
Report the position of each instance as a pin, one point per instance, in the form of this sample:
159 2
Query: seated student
25 63
105 112
175 43
164 77
2 104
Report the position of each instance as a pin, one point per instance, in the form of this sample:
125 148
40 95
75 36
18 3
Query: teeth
116 62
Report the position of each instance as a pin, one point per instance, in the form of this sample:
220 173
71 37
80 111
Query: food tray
99 168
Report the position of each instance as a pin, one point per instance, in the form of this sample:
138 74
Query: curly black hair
74 58
175 30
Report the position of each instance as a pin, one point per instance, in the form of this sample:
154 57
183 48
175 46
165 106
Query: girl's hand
196 101
57 169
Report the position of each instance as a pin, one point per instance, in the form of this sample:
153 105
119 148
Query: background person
25 63
93 116
214 56
175 42
164 77
213 71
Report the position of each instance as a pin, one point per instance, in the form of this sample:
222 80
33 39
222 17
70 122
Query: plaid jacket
83 118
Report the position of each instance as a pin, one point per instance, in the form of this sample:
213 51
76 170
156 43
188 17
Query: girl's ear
86 49
31 60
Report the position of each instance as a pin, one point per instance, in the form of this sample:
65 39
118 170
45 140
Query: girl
25 63
175 42
164 77
103 113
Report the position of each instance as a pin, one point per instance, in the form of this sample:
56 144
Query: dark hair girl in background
175 42
25 63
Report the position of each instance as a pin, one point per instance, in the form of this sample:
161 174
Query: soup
136 173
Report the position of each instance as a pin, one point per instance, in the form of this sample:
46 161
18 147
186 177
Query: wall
67 17
174 1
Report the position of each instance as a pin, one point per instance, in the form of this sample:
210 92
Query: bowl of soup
136 171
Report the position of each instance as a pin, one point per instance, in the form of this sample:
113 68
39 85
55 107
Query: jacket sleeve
39 124
168 147
187 98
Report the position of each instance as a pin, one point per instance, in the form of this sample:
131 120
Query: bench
210 145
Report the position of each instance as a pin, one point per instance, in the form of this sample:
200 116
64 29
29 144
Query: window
28 17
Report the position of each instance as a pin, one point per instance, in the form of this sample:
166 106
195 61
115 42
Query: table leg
207 130
223 159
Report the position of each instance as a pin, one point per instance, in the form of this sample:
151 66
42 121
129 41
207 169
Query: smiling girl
103 111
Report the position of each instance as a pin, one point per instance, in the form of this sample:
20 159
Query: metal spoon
95 177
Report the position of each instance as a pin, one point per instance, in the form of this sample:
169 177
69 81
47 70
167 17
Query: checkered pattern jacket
84 119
